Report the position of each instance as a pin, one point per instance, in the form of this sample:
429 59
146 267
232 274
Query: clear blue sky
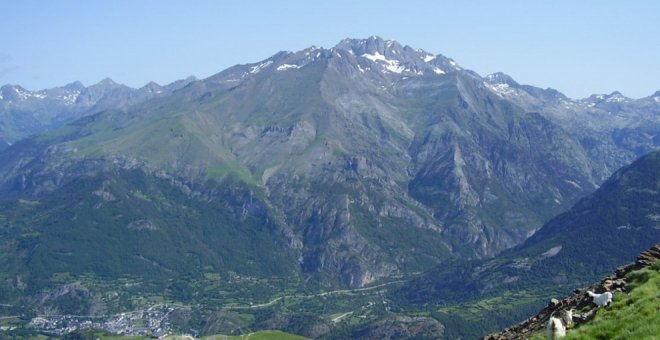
577 47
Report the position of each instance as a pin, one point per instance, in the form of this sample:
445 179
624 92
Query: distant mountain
350 147
610 128
602 231
358 164
23 112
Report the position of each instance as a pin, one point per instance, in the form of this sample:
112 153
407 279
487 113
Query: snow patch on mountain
616 98
69 98
389 64
438 70
500 89
22 94
454 65
258 68
285 67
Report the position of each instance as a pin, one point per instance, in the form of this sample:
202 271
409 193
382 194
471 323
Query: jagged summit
371 45
372 56
393 57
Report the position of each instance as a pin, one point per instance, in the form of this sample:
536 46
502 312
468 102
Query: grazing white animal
601 300
567 317
557 326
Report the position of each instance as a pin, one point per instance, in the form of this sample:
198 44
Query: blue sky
577 47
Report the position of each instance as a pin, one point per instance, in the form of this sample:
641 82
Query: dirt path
337 319
9 317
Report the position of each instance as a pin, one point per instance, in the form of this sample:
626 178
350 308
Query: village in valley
153 322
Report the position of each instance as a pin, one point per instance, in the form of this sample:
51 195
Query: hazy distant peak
152 85
614 97
501 78
15 93
74 86
107 82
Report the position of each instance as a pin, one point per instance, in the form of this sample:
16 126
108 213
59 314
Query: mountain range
326 168
24 113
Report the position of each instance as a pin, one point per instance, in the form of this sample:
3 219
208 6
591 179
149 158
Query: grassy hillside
633 315
261 335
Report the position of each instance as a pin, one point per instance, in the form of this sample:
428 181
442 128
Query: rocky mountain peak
389 56
614 97
152 87
371 45
74 86
107 82
14 93
501 78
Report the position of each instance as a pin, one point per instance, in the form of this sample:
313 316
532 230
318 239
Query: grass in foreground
635 315
261 335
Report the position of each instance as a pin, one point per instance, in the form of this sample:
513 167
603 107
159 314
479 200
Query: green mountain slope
128 224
